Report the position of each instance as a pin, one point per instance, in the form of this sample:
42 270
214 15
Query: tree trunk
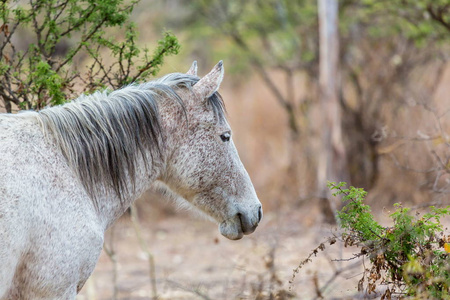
332 158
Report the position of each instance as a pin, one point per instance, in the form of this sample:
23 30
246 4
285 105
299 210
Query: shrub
410 257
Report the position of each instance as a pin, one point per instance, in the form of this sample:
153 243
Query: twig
333 277
314 252
112 256
144 247
187 289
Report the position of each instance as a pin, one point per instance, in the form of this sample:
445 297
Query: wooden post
332 161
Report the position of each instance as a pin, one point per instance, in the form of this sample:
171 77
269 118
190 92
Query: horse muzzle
241 224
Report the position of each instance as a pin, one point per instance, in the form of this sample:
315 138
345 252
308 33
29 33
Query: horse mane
102 135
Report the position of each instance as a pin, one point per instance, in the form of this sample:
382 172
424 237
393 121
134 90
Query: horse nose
260 213
249 224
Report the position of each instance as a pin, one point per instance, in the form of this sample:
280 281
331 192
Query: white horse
68 172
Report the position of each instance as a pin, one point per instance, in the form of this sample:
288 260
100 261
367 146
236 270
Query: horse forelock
103 135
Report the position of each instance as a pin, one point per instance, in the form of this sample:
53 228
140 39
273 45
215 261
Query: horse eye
225 136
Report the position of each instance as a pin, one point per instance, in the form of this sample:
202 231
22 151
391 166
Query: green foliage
40 66
356 215
278 33
284 34
47 81
409 256
422 21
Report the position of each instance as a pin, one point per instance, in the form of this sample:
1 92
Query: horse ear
193 69
209 84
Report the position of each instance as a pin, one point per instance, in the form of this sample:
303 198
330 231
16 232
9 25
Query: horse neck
110 157
110 206
172 119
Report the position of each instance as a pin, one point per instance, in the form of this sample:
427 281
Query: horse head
204 167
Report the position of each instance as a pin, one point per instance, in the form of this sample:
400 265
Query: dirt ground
193 261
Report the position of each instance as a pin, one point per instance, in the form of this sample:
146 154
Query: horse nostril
248 224
260 214
240 220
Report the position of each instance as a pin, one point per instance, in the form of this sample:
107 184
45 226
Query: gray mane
102 135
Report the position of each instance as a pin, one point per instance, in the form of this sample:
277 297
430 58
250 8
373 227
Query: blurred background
351 90
392 90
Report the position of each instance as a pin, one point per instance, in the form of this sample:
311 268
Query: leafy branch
60 35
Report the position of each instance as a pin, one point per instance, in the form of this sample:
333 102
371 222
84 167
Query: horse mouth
231 229
236 227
